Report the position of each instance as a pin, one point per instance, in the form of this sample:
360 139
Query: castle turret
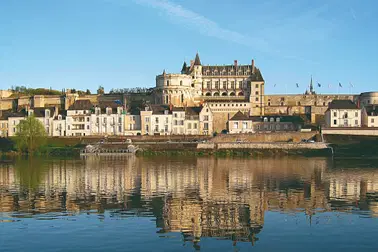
197 73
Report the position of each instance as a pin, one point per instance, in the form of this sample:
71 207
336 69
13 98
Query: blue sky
126 43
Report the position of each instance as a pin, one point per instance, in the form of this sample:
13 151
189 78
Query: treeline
35 91
137 90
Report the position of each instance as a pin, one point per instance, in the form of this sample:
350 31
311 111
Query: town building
178 119
45 116
242 123
14 118
132 124
4 114
343 113
108 119
370 116
78 119
59 124
156 120
192 120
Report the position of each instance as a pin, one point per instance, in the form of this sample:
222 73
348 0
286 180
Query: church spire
197 61
311 86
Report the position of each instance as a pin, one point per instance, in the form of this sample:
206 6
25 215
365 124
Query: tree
100 90
88 92
31 135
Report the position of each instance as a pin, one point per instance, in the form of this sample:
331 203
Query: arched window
216 94
265 119
208 94
241 94
167 82
232 94
224 94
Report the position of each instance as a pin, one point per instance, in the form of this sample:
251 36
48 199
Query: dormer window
278 120
59 117
165 112
272 119
47 113
265 119
109 111
31 112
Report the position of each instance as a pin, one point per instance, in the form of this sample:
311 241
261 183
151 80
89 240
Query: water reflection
203 197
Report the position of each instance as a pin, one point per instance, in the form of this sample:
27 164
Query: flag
319 85
297 85
340 85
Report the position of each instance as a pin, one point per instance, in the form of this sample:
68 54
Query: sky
125 43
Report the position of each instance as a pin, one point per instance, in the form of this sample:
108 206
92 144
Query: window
245 125
68 127
257 99
206 118
119 128
278 120
356 114
372 120
47 113
166 120
87 127
356 122
240 83
272 119
345 115
105 120
147 119
156 128
87 119
166 128
236 125
189 126
257 86
97 120
224 85
232 86
206 126
131 126
208 85
334 122
194 125
167 82
120 120
156 119
335 113
180 82
257 93
265 119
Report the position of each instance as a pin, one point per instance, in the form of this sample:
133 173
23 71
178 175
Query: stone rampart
265 137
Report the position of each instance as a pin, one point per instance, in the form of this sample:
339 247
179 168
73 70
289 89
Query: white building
192 123
206 120
370 116
45 116
178 119
132 124
108 119
14 119
156 120
59 125
343 113
78 119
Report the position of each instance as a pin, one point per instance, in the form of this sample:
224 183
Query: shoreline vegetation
341 147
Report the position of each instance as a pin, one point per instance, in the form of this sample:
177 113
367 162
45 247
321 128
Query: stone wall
351 131
265 137
270 146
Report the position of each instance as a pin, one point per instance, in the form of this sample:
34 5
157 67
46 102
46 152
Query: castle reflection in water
199 197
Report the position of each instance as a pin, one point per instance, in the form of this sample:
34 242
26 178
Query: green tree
31 135
100 90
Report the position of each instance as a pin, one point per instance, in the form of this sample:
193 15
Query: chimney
56 112
236 63
253 66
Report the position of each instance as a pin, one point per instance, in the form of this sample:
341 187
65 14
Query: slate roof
5 114
342 104
81 105
371 110
40 112
197 61
239 116
159 109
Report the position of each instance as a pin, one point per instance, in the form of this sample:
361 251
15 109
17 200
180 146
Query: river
177 203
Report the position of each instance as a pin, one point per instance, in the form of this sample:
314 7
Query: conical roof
197 61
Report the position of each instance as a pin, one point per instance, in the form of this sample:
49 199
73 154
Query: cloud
281 31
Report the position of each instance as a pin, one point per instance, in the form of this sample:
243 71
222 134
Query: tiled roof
81 105
342 104
5 114
285 118
371 110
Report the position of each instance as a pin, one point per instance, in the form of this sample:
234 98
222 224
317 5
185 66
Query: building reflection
202 197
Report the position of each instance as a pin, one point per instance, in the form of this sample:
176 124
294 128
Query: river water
173 204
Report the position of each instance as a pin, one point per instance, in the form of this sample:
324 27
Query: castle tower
197 73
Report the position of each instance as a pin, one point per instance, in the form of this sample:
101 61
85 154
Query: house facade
343 113
108 119
78 119
132 124
370 116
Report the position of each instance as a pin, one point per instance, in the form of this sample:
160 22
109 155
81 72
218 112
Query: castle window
167 82
257 92
257 99
282 103
181 83
257 86
268 103
299 103
240 84
208 84
217 85
224 85
265 119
